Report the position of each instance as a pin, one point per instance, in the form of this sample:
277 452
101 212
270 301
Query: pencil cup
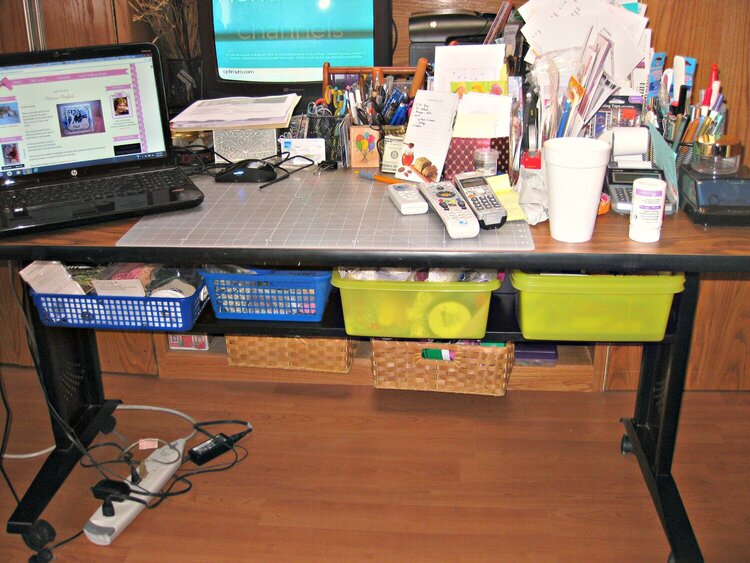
574 169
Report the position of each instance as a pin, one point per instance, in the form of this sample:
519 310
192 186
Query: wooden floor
349 473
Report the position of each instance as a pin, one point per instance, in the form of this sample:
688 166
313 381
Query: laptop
84 138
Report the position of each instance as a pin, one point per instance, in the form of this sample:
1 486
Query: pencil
379 178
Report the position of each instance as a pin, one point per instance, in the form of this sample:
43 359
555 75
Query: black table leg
652 432
71 378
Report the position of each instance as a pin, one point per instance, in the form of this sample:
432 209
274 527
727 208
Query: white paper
119 288
428 136
553 25
314 149
467 63
484 116
238 112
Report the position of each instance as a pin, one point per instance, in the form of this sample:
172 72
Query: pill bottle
647 212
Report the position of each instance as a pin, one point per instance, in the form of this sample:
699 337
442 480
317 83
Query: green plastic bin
626 308
410 309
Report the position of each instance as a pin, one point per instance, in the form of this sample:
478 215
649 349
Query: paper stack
269 112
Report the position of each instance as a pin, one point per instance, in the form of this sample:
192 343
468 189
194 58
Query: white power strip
160 466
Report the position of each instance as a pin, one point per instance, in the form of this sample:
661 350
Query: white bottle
648 209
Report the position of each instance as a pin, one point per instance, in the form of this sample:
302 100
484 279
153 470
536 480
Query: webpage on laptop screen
66 115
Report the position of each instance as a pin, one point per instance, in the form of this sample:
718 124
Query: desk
70 368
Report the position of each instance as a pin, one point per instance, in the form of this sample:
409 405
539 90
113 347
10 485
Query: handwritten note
428 136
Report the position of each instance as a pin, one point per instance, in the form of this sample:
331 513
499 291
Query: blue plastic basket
128 313
273 296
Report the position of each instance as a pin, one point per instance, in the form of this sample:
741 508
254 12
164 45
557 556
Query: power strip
160 466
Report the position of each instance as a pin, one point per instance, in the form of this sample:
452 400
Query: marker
379 178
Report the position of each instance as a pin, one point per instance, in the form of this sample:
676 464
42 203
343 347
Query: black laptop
84 137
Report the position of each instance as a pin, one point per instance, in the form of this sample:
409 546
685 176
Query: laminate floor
350 473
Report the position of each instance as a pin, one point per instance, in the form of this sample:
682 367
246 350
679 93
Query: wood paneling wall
720 352
72 23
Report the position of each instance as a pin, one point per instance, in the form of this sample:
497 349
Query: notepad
428 136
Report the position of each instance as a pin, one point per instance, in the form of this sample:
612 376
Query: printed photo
120 106
80 118
9 114
11 154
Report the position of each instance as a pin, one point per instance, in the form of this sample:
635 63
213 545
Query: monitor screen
265 47
70 110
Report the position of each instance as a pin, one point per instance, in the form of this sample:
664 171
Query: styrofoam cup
574 168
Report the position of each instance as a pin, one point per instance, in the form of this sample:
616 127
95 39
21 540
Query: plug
107 489
214 447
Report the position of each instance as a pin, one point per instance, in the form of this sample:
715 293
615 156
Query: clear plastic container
485 160
716 156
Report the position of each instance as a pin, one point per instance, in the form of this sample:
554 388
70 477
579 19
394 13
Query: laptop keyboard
91 197
97 192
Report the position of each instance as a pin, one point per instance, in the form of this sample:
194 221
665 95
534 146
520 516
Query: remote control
451 207
159 467
481 200
407 199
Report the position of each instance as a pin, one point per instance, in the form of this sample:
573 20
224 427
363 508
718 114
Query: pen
379 178
682 121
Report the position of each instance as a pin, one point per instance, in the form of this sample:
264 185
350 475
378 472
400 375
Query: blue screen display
289 40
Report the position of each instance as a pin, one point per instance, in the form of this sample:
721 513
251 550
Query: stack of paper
603 45
269 112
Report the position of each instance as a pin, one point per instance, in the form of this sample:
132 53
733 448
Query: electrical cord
30 455
39 453
181 414
394 27
199 166
6 436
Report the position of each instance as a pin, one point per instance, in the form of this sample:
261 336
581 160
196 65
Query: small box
413 309
540 354
624 308
198 342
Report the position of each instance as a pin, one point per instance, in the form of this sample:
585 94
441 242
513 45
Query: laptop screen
68 111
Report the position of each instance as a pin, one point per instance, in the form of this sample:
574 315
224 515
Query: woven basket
314 354
479 370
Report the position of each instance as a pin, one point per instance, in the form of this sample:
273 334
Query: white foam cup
574 169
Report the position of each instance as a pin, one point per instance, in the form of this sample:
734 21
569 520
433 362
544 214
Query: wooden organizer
377 74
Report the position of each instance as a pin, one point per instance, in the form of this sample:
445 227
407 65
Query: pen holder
684 154
330 129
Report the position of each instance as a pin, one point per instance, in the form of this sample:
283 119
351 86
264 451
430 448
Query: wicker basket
313 354
479 370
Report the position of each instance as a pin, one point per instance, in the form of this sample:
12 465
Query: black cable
25 309
67 540
6 437
199 166
394 43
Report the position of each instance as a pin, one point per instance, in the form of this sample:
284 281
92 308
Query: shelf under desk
651 432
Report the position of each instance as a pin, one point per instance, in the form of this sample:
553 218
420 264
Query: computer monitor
268 47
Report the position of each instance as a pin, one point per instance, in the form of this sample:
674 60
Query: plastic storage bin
407 309
628 308
271 296
124 313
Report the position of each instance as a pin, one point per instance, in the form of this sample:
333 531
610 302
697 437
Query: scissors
318 108
336 100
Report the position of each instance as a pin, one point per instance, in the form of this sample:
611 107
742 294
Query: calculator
619 182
